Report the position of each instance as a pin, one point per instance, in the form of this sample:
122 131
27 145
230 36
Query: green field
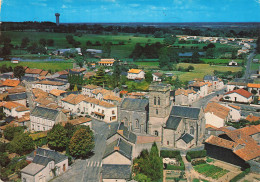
53 66
119 51
221 61
257 56
210 170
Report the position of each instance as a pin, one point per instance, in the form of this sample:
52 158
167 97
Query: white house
216 114
157 77
200 87
135 74
80 121
254 88
87 90
235 112
43 164
43 119
106 62
232 63
216 82
235 85
239 95
15 60
47 86
14 109
185 97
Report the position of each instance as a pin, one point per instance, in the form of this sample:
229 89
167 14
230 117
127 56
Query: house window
113 112
192 130
156 133
154 100
103 111
137 123
159 102
24 179
157 111
64 167
43 128
32 126
168 142
38 128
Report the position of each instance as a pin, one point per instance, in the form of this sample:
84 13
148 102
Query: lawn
53 66
118 51
255 66
257 56
220 61
134 86
210 170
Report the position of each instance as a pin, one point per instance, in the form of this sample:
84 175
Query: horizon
122 11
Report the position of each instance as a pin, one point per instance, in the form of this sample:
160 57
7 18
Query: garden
211 171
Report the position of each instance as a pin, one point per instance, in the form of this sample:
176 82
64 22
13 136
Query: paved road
89 169
204 101
248 65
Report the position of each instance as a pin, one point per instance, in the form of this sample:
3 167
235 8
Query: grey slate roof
42 160
173 122
32 169
51 154
15 97
111 171
135 104
124 148
187 138
128 135
186 112
45 113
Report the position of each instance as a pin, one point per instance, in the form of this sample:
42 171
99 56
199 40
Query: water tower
57 18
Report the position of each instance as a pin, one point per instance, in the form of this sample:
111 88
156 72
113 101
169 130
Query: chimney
109 126
120 132
116 148
34 153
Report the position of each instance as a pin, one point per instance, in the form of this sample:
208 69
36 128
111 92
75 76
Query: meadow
221 61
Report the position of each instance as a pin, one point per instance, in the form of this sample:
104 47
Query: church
178 127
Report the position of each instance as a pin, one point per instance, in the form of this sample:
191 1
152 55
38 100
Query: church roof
173 122
186 112
113 171
187 138
134 104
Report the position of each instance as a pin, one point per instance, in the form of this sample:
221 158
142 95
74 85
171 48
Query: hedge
169 153
194 163
195 154
240 175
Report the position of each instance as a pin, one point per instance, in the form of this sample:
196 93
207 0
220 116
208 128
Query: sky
131 10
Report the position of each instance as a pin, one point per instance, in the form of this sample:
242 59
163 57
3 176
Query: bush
188 158
209 160
197 162
169 153
240 175
196 154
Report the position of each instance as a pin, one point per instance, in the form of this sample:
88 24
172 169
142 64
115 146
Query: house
8 83
88 89
43 119
235 112
20 98
212 130
15 60
33 72
184 128
216 82
239 95
106 62
235 85
254 88
252 118
157 77
232 63
235 147
89 75
134 74
134 114
200 87
185 97
216 114
14 109
111 172
252 131
79 121
47 86
74 103
94 51
16 90
72 50
44 165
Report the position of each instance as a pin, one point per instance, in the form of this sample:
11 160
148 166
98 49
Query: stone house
184 128
43 119
44 165
134 74
47 86
79 121
216 114
185 97
14 109
134 114
239 95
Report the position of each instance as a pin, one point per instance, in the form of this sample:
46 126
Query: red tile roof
241 92
252 118
11 83
218 110
33 71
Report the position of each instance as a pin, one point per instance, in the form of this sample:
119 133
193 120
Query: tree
173 55
19 72
149 76
106 48
195 57
169 39
258 45
211 45
82 143
57 138
190 68
79 60
158 34
164 59
25 42
88 43
70 129
116 74
10 132
43 42
4 160
22 144
99 79
210 53
142 178
75 88
50 42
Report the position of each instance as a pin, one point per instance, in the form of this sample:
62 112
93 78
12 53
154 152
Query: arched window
156 133
157 111
159 102
137 123
192 130
154 101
